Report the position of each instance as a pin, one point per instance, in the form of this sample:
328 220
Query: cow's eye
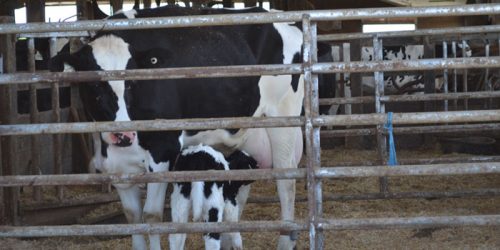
154 60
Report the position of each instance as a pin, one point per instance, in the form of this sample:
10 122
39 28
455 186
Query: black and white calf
210 201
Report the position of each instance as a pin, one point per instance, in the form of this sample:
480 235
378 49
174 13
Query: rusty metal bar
409 118
311 106
164 228
35 142
455 79
380 108
156 228
488 86
391 196
255 18
249 70
436 169
414 33
94 179
464 76
56 117
189 176
445 75
439 129
454 159
252 122
411 98
55 34
411 222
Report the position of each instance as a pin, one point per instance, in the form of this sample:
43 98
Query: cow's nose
123 139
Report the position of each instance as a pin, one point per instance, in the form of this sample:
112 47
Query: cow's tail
197 198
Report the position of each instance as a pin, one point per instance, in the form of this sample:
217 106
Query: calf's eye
154 60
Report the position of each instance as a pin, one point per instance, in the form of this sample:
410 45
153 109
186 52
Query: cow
405 83
210 201
254 96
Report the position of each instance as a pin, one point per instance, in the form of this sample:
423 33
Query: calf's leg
180 207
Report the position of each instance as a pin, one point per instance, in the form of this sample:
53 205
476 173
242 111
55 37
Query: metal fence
311 121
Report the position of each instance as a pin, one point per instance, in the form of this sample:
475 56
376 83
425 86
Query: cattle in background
132 152
210 201
404 83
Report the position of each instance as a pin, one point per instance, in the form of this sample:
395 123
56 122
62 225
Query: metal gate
316 223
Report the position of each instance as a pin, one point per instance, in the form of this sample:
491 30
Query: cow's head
102 100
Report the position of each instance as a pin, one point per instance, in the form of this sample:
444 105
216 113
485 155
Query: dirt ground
433 238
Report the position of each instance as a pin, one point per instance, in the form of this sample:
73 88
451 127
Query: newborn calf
210 201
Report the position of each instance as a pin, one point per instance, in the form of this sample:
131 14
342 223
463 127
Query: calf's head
102 100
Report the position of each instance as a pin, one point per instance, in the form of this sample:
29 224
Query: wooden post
8 109
116 5
250 3
35 11
227 3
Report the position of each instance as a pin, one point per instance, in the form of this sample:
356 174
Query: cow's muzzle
122 139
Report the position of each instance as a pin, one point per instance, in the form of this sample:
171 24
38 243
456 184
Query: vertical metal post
8 110
35 142
445 75
464 76
488 86
311 107
378 54
346 86
56 116
455 80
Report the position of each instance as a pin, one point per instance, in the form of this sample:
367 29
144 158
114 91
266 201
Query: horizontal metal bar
415 222
151 74
439 129
254 18
183 176
411 98
55 34
156 228
405 170
390 196
249 70
168 228
407 118
260 174
425 161
152 125
423 32
251 122
406 65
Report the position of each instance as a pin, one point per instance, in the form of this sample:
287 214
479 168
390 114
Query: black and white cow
134 152
405 83
210 201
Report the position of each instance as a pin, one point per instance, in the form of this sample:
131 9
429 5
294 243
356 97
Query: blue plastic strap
393 161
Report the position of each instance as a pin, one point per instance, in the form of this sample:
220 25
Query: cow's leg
180 207
287 151
213 208
231 240
131 202
155 202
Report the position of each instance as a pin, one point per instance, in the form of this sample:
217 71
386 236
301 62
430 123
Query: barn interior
475 89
